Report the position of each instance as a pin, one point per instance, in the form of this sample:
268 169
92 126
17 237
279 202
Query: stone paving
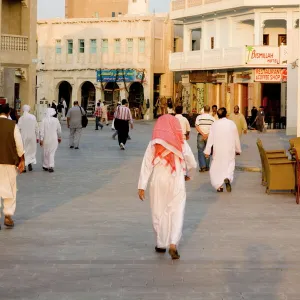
82 234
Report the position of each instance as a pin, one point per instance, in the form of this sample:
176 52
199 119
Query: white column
187 39
298 95
258 29
217 38
230 31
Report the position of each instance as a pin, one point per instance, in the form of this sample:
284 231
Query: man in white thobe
11 159
64 108
30 135
169 160
225 139
50 136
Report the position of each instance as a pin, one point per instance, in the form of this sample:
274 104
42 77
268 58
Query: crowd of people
168 160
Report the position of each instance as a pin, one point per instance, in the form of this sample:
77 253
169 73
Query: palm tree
249 49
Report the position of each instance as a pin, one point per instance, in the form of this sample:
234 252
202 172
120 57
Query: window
113 14
117 46
104 46
266 39
282 40
58 46
70 46
81 46
212 43
129 45
93 46
142 44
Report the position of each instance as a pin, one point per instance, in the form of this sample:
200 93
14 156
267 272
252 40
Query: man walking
30 135
239 121
50 137
203 125
98 115
122 118
225 139
11 159
74 118
184 123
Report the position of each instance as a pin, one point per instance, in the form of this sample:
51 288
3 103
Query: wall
243 34
224 33
11 17
95 8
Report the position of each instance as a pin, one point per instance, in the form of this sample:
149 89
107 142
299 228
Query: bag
84 119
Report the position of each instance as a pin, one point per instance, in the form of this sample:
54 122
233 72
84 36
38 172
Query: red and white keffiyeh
168 141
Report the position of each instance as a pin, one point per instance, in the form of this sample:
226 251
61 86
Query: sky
56 8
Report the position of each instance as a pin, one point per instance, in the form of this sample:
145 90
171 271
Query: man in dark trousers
122 119
11 160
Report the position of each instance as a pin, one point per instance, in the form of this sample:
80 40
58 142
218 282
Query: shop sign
262 55
243 77
185 79
201 77
113 75
220 78
271 75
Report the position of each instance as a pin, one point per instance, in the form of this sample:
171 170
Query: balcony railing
227 58
13 43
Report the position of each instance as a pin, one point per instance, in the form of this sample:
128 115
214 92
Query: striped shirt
123 113
204 122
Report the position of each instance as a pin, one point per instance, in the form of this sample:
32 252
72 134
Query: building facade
95 8
237 53
18 52
105 59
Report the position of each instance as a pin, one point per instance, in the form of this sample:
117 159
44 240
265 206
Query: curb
248 169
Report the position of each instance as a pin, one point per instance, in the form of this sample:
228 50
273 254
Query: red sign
270 75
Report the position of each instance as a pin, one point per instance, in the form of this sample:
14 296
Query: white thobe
8 178
167 194
30 133
50 132
224 139
64 109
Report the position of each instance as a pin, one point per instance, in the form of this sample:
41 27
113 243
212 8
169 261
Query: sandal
174 254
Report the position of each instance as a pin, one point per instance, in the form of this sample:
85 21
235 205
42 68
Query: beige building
18 51
240 52
108 59
95 8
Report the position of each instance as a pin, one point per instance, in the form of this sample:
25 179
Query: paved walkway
82 234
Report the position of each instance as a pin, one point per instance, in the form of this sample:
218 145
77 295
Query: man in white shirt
203 125
184 123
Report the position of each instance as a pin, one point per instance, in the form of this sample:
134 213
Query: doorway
112 94
88 98
65 92
271 101
136 95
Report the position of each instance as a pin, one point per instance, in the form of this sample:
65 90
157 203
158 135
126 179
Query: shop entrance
88 97
271 96
136 94
112 94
